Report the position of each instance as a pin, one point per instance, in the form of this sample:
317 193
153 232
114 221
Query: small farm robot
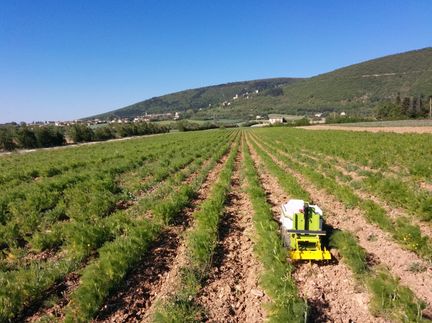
302 230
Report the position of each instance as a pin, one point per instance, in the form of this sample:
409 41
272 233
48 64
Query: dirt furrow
134 300
231 292
329 288
401 263
58 293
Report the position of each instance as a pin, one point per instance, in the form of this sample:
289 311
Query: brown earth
425 129
231 293
329 288
378 244
426 186
60 293
53 301
133 300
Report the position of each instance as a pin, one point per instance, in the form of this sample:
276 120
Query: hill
357 88
409 74
195 99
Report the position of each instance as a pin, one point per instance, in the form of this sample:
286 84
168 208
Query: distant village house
283 118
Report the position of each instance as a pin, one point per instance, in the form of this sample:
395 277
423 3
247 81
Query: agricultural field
183 227
397 126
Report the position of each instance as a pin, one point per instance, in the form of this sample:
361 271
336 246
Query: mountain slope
356 88
196 99
408 73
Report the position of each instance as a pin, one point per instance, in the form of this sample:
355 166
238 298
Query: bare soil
59 294
379 244
134 300
426 186
329 288
425 129
53 301
231 293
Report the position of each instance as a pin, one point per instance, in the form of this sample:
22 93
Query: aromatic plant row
81 205
286 305
402 231
398 164
331 172
395 188
40 165
24 207
82 219
200 243
389 299
116 258
409 153
26 284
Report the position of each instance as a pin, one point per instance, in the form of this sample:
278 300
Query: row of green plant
286 305
401 229
29 137
29 282
200 242
402 191
119 256
48 163
389 299
26 284
89 194
80 205
387 188
410 153
124 222
26 206
41 194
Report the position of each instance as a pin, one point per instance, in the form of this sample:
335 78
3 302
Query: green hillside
357 88
409 74
196 99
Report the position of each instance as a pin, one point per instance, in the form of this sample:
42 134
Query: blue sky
62 60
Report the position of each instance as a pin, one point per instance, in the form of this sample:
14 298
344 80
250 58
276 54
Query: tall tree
398 100
26 137
421 106
6 139
412 112
80 133
48 136
405 106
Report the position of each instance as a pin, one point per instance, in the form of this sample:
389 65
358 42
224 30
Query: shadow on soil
227 225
